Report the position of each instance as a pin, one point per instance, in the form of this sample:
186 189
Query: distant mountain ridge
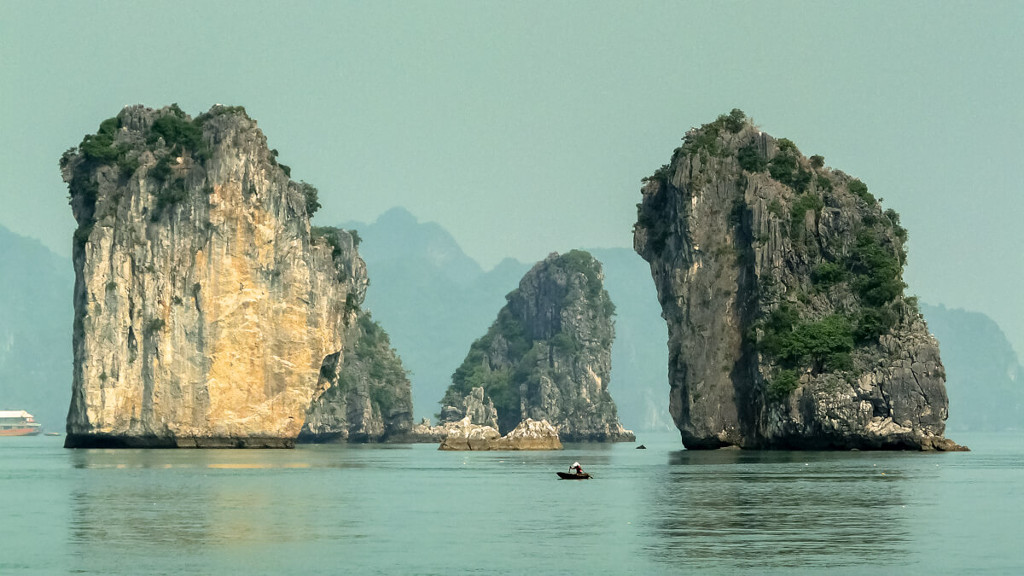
433 298
35 329
984 377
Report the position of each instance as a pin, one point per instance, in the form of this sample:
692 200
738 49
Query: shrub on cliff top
861 189
582 262
329 234
894 219
310 193
706 137
220 111
100 146
734 121
176 129
178 132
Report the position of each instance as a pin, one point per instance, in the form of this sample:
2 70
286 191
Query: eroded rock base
118 441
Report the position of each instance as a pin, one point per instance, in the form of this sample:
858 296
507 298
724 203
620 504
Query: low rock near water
528 435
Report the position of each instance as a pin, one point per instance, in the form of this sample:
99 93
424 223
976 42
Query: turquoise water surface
415 510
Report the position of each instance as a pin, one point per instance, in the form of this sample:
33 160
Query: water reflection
793 510
194 510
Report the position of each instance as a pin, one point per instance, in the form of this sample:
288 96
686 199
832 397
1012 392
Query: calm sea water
414 510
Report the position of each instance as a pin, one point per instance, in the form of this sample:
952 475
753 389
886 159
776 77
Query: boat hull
19 432
568 476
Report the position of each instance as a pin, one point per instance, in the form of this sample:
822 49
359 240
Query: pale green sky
525 127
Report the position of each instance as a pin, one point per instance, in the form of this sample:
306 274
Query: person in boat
576 468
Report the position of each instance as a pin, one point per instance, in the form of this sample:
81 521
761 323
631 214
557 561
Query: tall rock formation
781 282
206 314
547 356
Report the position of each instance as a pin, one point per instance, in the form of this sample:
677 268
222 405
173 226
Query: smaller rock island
547 357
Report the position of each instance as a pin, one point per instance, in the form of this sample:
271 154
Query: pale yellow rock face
203 322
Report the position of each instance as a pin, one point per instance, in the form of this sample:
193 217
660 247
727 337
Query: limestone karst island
546 358
781 282
210 313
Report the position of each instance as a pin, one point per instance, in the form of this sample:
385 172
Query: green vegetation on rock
846 286
178 131
177 144
803 204
329 235
707 137
823 345
785 167
861 189
310 193
750 158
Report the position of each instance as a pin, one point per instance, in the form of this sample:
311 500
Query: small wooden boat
573 476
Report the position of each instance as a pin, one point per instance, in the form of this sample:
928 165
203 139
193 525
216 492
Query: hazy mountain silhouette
431 297
984 378
35 330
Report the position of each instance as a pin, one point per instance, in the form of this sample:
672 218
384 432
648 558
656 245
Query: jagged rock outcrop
206 313
781 282
528 435
476 406
370 398
548 355
424 432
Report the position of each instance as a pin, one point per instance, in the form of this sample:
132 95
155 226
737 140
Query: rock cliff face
370 398
547 356
780 280
206 314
